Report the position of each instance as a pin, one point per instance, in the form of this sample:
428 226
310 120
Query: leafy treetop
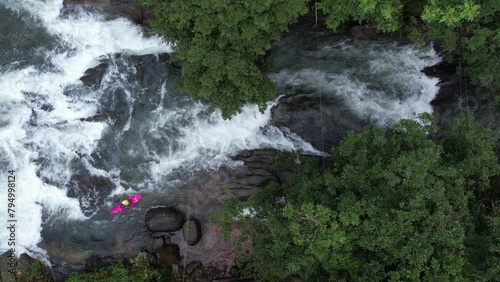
221 44
392 208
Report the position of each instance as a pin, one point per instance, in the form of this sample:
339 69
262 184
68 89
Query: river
69 171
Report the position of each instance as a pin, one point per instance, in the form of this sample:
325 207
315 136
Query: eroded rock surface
164 220
112 9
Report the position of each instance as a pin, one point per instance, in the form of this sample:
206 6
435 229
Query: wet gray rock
164 219
255 175
94 76
108 116
112 9
192 231
87 186
33 118
303 113
47 107
457 94
30 269
149 67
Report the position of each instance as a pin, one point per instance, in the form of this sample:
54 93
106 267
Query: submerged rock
164 220
94 76
85 185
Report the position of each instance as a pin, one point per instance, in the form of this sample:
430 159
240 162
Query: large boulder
321 121
164 219
150 67
192 231
152 73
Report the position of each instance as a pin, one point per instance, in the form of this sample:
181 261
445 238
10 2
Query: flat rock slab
164 220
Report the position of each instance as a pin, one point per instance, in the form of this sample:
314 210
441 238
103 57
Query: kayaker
125 204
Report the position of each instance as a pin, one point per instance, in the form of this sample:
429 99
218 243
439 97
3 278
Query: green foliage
140 270
225 218
450 13
32 270
469 31
221 44
384 14
398 208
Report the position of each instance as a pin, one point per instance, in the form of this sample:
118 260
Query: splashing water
44 136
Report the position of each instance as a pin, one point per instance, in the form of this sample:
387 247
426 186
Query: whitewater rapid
41 131
380 82
59 134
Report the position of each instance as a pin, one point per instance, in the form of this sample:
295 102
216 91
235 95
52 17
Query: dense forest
402 207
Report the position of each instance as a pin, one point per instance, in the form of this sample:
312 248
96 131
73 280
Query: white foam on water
364 88
59 146
209 142
58 135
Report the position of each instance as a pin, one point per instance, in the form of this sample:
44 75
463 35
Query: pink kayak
133 200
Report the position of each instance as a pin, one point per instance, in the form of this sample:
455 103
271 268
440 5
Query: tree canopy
138 269
221 44
397 208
